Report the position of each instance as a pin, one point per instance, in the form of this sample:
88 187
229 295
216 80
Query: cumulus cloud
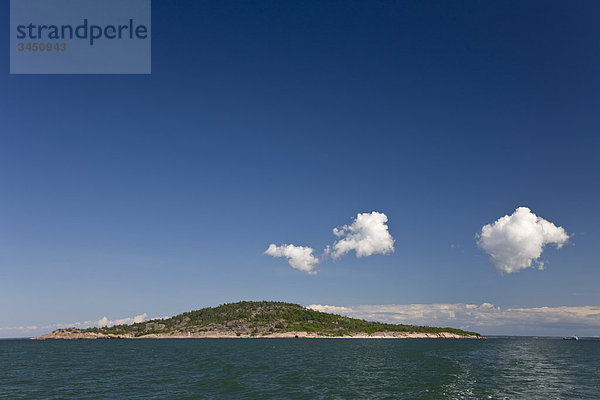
486 316
299 257
516 241
331 309
367 235
104 321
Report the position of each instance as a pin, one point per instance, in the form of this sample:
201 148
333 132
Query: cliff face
256 319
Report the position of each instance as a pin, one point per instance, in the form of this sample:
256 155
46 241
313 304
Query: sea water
300 369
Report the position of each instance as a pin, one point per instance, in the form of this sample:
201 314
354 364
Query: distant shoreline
69 335
258 319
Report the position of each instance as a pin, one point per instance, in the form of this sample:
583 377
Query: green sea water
300 369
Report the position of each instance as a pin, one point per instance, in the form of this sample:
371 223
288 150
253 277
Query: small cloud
516 241
299 257
367 235
541 265
330 309
104 321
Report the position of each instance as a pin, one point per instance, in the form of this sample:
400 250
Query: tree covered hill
249 318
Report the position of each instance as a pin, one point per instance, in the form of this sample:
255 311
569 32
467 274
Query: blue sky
274 122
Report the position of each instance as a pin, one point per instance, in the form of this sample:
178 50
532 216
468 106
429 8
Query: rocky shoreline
75 335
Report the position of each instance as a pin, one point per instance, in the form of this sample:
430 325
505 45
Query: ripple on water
300 369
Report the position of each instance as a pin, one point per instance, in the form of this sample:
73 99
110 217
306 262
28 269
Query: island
258 319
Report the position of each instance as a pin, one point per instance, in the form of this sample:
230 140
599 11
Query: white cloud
104 321
331 309
516 241
367 235
123 321
299 257
487 317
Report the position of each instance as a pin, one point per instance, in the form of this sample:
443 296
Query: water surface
300 369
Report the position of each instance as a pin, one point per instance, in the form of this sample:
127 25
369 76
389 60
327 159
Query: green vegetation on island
250 318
